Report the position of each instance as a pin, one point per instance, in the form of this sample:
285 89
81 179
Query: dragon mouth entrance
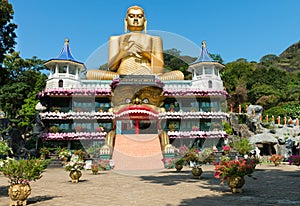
136 112
137 119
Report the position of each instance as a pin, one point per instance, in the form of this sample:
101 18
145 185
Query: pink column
240 109
297 122
267 118
278 120
231 108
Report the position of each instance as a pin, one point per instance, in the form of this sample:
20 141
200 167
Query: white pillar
56 69
67 72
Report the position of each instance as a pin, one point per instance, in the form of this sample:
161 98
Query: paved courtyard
274 186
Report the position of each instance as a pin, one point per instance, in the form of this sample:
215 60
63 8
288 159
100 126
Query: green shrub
23 171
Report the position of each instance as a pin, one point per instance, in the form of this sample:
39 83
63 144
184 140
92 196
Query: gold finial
67 41
203 43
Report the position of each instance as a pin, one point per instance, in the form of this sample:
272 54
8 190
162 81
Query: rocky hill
290 58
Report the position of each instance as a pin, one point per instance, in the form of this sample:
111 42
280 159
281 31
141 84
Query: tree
237 73
28 111
7 29
268 58
217 58
174 61
22 77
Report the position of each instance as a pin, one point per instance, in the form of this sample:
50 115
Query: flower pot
18 194
95 170
75 175
178 167
236 184
197 171
276 163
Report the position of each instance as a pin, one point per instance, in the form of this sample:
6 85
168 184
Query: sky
232 28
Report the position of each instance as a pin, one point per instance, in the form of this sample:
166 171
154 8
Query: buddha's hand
133 49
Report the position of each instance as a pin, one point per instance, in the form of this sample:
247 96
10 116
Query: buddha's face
135 19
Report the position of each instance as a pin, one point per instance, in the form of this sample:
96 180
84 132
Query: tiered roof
66 55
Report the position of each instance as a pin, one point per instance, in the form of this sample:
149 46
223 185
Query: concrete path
274 186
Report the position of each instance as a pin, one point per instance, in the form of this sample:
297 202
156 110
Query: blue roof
204 55
66 53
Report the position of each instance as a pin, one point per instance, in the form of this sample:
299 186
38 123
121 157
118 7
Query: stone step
137 152
55 163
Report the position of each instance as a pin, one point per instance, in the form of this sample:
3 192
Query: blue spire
204 55
66 53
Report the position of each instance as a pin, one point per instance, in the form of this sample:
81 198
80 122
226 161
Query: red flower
226 148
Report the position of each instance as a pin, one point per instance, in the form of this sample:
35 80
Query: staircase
137 152
55 163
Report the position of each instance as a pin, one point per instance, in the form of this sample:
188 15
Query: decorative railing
197 134
74 136
193 115
110 115
77 115
193 92
107 92
79 91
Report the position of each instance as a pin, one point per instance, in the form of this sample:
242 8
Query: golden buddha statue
135 53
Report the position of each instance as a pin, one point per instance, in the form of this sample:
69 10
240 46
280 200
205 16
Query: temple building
79 110
134 112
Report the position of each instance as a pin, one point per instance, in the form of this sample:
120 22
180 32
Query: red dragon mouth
137 112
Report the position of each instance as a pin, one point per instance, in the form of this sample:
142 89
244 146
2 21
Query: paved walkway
274 186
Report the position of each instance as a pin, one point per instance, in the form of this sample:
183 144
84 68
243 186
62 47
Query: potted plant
54 129
20 173
103 164
294 160
276 159
55 109
202 157
226 149
195 128
234 171
64 154
179 162
168 162
172 126
80 153
44 152
91 151
74 167
191 156
95 168
79 128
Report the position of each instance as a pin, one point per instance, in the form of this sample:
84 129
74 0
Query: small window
199 72
208 70
209 84
72 70
62 69
60 83
216 72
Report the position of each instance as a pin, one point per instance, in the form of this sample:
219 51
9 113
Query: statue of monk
135 53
